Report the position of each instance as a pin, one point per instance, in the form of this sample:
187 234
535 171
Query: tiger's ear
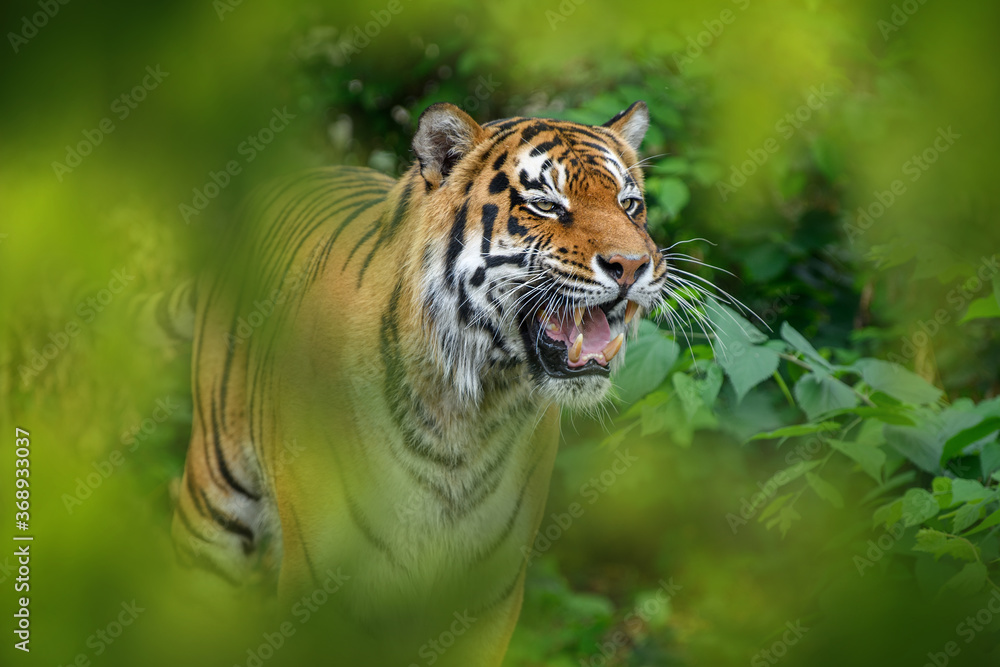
444 135
631 124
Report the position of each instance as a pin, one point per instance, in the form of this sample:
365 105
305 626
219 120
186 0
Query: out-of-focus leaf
969 581
648 360
825 490
871 459
819 393
985 307
798 429
958 442
897 381
673 194
799 342
918 506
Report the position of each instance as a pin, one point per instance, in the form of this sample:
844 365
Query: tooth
574 352
630 311
578 316
611 349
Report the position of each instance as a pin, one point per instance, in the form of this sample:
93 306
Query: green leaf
765 262
984 307
988 522
648 360
799 342
896 381
790 474
966 515
892 415
917 444
687 391
747 365
941 544
774 506
730 325
870 458
786 517
673 195
958 442
799 429
990 457
889 514
918 506
819 393
710 383
968 490
825 490
657 418
969 581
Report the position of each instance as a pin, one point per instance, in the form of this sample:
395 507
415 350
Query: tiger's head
544 259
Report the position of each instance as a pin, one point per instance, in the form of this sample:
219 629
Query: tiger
378 369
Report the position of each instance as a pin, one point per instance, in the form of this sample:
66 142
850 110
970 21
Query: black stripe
455 244
388 232
229 524
227 474
500 182
302 543
362 524
512 519
499 260
489 216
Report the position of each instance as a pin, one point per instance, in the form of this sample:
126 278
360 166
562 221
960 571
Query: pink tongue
595 329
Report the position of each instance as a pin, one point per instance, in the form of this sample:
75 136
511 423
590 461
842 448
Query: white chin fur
582 393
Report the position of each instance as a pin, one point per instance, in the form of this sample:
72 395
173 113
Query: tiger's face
549 260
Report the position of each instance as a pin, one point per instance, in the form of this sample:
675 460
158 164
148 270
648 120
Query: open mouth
571 342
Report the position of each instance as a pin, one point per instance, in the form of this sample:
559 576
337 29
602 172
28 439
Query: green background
915 284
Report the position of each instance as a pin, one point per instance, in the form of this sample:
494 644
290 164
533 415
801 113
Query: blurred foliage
828 456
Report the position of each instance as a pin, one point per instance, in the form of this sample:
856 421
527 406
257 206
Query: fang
574 351
612 348
630 311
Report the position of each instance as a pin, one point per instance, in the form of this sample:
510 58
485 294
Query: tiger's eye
631 206
545 206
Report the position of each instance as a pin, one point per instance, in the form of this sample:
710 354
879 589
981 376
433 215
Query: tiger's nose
623 270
